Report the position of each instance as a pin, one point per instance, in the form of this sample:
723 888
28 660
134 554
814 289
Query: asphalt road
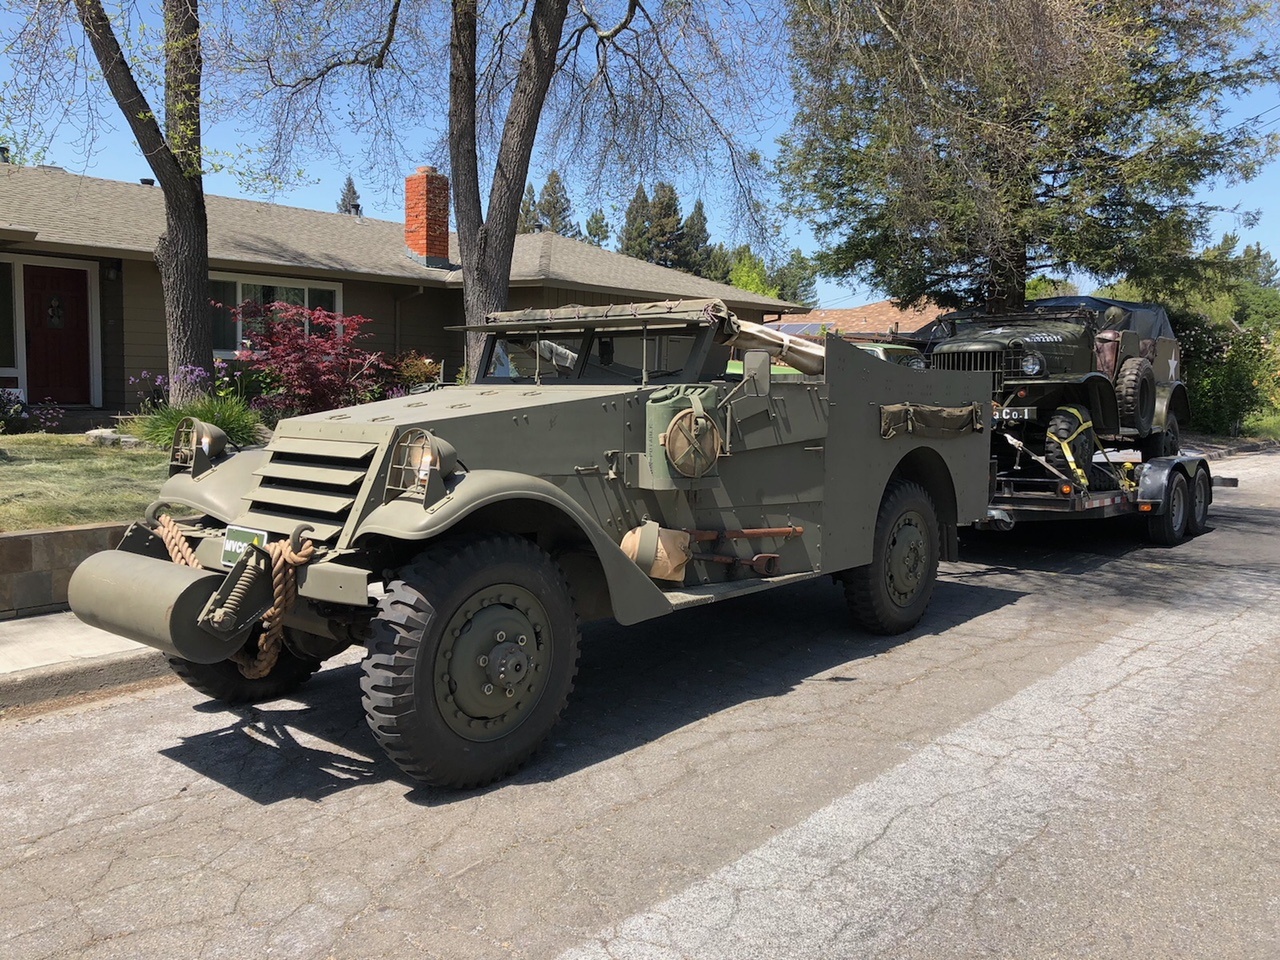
1075 755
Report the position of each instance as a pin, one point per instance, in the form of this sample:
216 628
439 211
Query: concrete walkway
55 655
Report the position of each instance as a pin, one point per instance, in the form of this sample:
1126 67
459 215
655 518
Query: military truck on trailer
602 465
1079 384
1067 361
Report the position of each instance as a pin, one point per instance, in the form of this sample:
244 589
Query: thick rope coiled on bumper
285 562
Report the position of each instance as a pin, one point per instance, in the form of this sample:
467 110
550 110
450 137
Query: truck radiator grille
308 481
1001 363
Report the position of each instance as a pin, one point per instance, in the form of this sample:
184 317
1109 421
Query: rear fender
1171 397
633 597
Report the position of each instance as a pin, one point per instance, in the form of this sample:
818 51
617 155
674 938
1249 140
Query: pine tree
598 230
529 222
666 228
554 208
349 202
695 244
719 263
796 279
954 165
634 240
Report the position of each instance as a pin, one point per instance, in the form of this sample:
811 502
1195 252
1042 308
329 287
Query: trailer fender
632 595
1153 481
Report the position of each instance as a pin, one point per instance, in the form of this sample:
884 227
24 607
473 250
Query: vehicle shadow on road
635 685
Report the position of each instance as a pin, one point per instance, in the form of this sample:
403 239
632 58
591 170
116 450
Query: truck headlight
419 455
195 446
1032 363
915 363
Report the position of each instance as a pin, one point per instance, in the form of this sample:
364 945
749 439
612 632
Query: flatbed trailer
1172 493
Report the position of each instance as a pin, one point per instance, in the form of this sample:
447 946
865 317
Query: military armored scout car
603 465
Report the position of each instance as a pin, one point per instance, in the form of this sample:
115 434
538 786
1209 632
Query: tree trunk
486 239
1007 280
182 251
182 254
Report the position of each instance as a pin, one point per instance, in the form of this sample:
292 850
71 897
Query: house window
227 292
8 324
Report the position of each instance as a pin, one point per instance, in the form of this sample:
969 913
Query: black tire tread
224 682
1166 442
390 668
1197 525
1159 527
1063 424
868 607
1136 394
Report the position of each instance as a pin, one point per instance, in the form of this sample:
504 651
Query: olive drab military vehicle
602 465
1072 374
1079 382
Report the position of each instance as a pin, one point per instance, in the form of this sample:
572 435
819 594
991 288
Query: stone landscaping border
36 565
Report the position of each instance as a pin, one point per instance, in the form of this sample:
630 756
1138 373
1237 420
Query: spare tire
1136 395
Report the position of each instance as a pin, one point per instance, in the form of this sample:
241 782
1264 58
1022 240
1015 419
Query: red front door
57 327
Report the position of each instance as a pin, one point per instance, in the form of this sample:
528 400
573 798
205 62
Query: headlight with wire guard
419 459
1032 363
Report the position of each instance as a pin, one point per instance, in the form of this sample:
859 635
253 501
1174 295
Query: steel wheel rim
1178 506
1200 498
906 559
486 681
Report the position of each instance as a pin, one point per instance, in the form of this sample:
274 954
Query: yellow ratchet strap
1085 424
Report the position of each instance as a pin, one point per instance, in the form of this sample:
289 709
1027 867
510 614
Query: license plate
1013 414
238 539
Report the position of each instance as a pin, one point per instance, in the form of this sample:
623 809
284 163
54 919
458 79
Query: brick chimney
426 215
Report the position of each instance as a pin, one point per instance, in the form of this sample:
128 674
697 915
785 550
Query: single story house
81 310
872 319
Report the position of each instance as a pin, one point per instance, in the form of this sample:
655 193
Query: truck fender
1171 397
1153 482
218 492
633 596
1099 394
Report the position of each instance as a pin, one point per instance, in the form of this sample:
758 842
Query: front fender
218 492
633 595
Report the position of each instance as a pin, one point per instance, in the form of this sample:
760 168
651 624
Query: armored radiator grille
308 481
1000 363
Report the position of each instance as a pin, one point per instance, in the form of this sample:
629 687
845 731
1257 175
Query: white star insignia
1173 368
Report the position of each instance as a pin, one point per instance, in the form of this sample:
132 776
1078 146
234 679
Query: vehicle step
711 592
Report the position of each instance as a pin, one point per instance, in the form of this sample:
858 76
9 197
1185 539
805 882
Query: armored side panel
859 461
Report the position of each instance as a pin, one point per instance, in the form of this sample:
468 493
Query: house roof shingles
875 318
74 213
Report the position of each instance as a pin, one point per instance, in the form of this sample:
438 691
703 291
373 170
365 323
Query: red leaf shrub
306 361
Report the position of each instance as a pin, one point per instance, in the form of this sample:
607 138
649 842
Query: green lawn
54 480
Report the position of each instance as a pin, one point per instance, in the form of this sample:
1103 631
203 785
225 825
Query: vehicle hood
998 336
459 403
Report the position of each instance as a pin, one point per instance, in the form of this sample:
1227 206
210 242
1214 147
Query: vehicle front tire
1136 394
472 658
1170 527
891 594
223 680
1065 423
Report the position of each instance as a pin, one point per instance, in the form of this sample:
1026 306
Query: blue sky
115 156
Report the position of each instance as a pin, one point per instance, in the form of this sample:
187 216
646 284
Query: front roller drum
150 601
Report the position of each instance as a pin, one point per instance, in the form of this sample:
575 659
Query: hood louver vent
308 481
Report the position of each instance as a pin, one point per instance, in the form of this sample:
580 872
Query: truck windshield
611 357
